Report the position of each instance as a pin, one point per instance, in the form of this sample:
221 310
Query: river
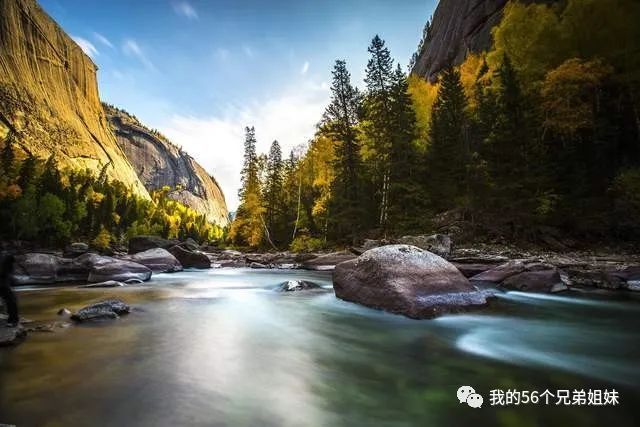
223 348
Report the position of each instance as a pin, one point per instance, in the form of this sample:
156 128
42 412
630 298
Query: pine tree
447 154
339 122
273 196
378 112
510 142
405 192
7 156
27 172
248 229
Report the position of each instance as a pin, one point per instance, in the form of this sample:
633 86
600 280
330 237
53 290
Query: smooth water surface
223 348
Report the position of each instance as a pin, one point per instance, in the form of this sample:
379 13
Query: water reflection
223 348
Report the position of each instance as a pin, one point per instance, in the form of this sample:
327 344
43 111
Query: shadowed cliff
160 163
458 28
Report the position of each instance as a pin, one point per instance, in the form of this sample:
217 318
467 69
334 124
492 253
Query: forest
42 204
540 133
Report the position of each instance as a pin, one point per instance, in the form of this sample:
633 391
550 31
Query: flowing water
223 348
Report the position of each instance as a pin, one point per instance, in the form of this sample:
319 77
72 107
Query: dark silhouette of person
6 293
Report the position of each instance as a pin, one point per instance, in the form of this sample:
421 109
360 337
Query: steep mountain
49 95
160 163
457 28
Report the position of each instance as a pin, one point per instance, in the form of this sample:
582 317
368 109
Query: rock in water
11 335
405 280
298 285
191 259
105 268
158 260
107 309
536 281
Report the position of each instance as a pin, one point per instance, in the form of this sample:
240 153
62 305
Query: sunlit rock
406 280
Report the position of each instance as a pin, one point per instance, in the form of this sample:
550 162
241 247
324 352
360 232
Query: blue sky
199 71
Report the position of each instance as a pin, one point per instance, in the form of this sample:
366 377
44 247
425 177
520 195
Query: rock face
49 96
458 28
406 280
159 163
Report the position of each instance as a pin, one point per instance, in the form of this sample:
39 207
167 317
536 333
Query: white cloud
305 68
86 46
102 39
131 48
217 142
184 8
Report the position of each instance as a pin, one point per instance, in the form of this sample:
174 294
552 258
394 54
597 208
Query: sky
201 70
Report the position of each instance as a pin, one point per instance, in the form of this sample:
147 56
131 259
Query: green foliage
626 193
306 243
447 155
46 205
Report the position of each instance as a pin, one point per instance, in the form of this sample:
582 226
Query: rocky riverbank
498 265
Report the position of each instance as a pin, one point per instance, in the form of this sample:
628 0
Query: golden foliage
423 94
569 94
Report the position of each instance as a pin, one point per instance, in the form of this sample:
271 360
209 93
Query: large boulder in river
191 259
104 268
37 268
11 335
406 280
439 244
158 260
143 243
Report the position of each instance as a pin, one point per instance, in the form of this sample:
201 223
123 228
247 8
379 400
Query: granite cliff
459 27
49 95
160 163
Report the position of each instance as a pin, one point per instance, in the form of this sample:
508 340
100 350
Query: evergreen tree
512 153
273 196
248 229
378 113
405 192
27 173
447 153
339 122
7 156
